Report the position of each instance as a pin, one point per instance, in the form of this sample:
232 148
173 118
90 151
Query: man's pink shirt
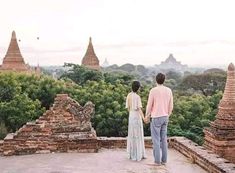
160 102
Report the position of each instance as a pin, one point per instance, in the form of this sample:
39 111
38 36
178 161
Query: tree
8 86
25 97
18 111
191 114
207 83
174 75
81 74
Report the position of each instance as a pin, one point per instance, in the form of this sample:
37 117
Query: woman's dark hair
135 86
160 78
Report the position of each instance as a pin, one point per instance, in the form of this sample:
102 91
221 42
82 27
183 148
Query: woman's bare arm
141 113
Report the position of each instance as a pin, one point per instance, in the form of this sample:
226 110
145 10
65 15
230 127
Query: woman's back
133 102
135 140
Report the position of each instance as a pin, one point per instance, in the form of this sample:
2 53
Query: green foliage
191 114
174 75
8 87
113 77
111 117
19 110
207 83
24 98
3 130
80 74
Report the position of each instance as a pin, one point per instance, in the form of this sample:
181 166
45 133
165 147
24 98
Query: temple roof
90 59
171 58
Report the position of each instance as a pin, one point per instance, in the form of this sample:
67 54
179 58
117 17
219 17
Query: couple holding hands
159 107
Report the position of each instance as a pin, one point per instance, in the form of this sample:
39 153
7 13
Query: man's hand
146 119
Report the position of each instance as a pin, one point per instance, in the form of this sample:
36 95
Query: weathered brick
220 136
63 128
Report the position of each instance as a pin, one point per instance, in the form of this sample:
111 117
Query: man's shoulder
153 89
168 89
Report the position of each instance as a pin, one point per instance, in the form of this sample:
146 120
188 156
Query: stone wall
119 142
65 127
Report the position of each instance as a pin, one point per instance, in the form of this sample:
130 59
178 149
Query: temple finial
13 35
90 39
231 67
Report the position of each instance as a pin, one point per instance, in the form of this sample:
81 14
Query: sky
197 32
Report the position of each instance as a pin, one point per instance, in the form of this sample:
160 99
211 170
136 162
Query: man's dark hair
135 86
160 78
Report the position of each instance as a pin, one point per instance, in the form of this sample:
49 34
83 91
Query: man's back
160 102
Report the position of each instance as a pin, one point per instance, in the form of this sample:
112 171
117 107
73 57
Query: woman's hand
147 119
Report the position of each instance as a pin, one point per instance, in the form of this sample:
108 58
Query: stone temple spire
90 59
13 59
220 136
229 92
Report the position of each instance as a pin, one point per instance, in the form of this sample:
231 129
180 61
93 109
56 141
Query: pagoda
220 136
90 59
172 63
106 63
13 60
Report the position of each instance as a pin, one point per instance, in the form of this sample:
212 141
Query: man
159 107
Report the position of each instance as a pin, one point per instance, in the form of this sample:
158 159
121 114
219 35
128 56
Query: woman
135 140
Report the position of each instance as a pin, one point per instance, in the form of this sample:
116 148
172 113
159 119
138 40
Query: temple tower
90 59
220 136
13 59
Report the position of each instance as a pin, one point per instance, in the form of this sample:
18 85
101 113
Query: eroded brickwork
220 136
65 127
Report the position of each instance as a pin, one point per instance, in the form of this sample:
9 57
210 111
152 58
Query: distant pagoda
13 60
172 63
220 136
106 63
90 59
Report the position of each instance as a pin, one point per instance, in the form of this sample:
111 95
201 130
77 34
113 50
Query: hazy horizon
198 33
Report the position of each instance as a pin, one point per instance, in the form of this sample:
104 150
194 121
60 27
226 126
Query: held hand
146 119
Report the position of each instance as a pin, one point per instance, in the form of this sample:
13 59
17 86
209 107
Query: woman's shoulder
137 95
128 95
134 94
